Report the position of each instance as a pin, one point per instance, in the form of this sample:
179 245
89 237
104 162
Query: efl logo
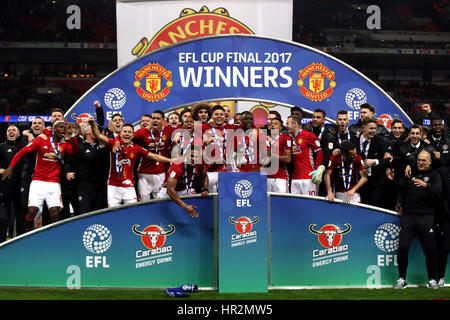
97 239
243 224
153 237
314 75
153 75
355 97
190 25
115 98
387 239
243 189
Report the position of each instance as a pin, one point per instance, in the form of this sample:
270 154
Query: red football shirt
178 172
335 165
283 143
304 146
217 136
48 164
125 163
158 144
249 149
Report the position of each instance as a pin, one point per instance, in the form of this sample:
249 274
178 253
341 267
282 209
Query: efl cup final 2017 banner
143 26
235 67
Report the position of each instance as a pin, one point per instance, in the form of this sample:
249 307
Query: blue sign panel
145 245
243 244
315 243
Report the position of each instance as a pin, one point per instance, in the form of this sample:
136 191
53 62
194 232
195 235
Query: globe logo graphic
243 188
355 97
97 238
387 237
115 98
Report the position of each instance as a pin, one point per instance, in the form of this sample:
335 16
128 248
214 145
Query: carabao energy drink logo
330 237
191 25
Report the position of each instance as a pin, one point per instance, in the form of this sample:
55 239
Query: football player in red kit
305 148
122 160
45 185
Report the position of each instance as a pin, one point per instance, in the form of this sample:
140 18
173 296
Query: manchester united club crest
153 82
316 82
190 25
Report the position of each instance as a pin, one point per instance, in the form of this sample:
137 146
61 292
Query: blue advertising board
245 240
236 67
315 243
144 245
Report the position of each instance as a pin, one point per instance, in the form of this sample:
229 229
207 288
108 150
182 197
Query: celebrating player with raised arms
45 185
123 155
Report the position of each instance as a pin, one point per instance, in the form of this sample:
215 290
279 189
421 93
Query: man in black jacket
396 137
440 139
372 149
87 168
367 111
420 194
326 135
340 131
10 189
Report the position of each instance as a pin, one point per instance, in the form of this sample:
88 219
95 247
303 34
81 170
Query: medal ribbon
340 140
187 182
295 143
224 148
159 142
275 140
349 178
183 151
56 149
250 156
321 132
118 167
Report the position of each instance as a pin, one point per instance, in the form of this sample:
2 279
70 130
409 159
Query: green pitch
421 293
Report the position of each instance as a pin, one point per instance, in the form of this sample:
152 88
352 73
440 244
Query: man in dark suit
372 149
367 111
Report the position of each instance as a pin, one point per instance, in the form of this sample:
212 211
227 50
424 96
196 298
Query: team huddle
183 154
